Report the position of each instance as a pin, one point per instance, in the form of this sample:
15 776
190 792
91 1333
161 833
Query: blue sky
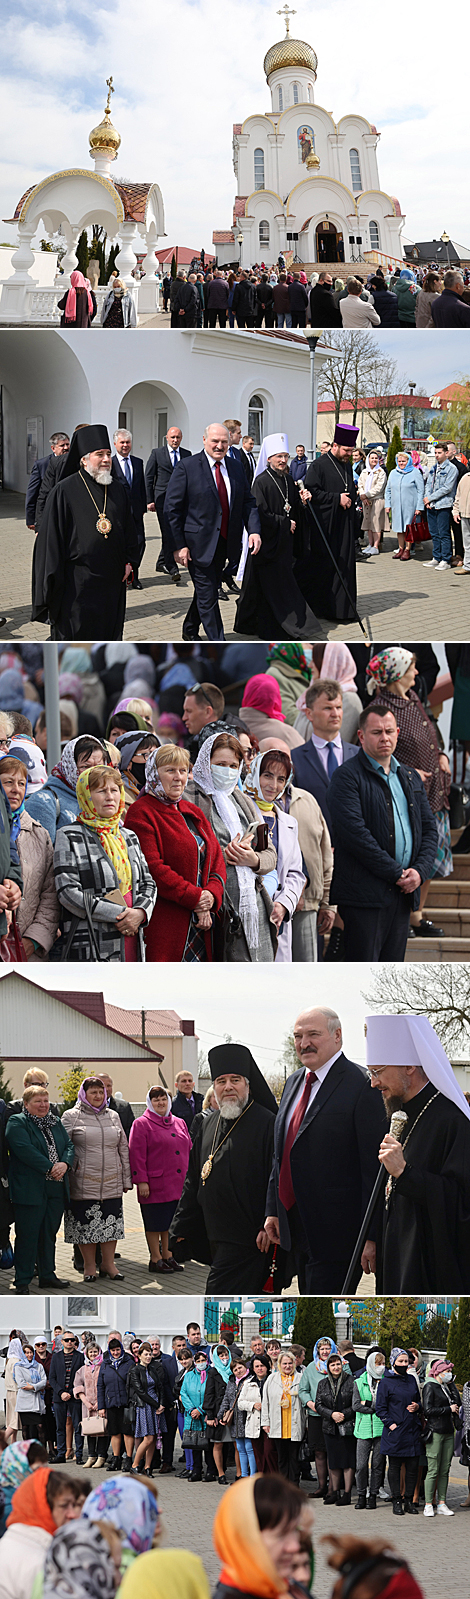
427 357
185 72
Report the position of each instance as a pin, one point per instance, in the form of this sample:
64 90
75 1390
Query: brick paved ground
438 1555
396 601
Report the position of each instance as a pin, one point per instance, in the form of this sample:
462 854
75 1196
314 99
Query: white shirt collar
321 1071
323 743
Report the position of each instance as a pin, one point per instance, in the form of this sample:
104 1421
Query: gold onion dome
290 53
105 139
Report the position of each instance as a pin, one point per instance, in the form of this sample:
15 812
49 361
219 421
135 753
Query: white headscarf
156 1112
274 444
412 1041
227 810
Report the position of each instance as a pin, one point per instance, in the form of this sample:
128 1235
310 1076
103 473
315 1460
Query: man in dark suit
247 458
327 1135
186 1103
59 443
131 469
315 761
160 465
63 1368
208 504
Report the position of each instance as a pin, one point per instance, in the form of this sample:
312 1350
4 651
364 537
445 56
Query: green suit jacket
30 1161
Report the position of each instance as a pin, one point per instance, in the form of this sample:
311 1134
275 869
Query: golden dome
105 139
290 53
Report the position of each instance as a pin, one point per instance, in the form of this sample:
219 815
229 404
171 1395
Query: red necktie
223 497
286 1190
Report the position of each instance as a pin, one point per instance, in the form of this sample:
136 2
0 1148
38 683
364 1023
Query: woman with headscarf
159 1149
38 914
265 784
132 1508
282 1415
371 490
192 1403
248 855
335 662
101 875
14 1353
82 1562
134 749
368 1429
311 1376
118 308
30 1379
390 678
166 1574
334 1406
137 707
184 858
100 1176
12 695
16 1463
55 803
78 304
404 498
288 665
44 1501
271 604
256 1537
406 291
263 712
214 1394
398 1404
85 1388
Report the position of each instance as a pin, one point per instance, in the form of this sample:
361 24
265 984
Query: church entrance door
328 242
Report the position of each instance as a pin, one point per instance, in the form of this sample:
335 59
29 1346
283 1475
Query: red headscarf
402 1586
78 282
29 1504
262 693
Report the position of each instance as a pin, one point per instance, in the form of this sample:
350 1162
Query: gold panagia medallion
206 1169
104 525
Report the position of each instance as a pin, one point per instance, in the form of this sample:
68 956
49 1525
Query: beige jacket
101 1169
268 727
39 913
315 843
462 498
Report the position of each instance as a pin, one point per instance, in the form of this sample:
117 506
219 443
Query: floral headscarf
67 768
129 1507
387 667
293 655
79 1564
252 785
321 1364
107 828
14 1465
153 783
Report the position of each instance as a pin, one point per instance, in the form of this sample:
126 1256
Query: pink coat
85 1387
159 1152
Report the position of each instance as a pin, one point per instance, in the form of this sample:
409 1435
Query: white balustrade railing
40 306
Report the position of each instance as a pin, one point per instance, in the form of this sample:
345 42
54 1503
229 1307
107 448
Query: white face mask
225 777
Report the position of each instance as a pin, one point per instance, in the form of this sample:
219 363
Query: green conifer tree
314 1318
396 444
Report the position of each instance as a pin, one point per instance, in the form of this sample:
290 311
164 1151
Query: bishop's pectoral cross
286 13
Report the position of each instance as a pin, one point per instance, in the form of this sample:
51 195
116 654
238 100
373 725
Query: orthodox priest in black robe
271 604
329 488
85 545
424 1245
220 1216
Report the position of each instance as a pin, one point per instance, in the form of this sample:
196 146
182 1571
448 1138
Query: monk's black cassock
271 604
328 478
77 572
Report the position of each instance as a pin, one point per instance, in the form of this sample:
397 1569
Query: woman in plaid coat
102 879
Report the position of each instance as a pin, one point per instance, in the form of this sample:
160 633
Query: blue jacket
42 805
37 474
441 484
404 494
386 306
309 773
448 310
112 1381
298 469
192 1397
365 870
194 511
394 1394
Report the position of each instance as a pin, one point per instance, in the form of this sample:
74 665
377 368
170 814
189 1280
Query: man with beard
329 485
326 1138
86 546
425 1224
271 604
221 1210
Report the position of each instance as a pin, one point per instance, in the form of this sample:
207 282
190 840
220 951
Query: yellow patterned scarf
109 832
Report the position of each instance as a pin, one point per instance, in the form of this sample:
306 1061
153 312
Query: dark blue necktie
331 760
175 458
127 471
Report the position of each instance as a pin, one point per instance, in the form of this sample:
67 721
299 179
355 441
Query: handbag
194 1436
96 1425
11 945
417 531
229 940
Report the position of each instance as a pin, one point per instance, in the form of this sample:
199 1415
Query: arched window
295 93
374 235
356 179
259 169
264 233
255 419
310 93
280 99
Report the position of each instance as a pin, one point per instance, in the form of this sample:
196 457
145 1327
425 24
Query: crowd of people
284 297
264 1416
301 814
281 534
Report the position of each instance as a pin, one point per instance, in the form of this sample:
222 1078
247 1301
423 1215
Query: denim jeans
439 528
284 320
247 1457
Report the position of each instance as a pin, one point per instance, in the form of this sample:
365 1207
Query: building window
264 233
295 93
310 93
160 427
280 100
255 419
374 236
259 169
356 179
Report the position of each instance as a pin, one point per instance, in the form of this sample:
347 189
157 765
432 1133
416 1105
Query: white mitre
273 444
412 1041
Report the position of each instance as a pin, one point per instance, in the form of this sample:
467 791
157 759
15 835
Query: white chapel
307 186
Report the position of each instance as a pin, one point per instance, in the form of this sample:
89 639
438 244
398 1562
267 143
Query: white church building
307 186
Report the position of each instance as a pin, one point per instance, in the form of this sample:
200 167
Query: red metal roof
19 207
158 1023
237 127
410 400
239 205
88 1004
185 256
222 237
134 198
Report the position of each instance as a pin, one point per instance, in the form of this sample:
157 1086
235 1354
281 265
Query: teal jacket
29 1158
367 1423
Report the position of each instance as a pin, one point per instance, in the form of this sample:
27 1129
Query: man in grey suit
315 761
160 466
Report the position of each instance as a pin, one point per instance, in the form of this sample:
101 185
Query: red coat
171 853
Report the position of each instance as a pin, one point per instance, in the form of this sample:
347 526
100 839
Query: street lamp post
240 246
312 341
445 239
51 704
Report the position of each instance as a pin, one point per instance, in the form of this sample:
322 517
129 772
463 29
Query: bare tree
385 385
440 992
345 373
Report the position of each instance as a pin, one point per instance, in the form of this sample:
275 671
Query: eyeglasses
374 1071
5 743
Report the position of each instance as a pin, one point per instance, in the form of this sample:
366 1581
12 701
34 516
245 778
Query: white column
69 261
148 288
127 259
23 257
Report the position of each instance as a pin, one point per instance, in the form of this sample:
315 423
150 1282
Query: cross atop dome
104 139
286 14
